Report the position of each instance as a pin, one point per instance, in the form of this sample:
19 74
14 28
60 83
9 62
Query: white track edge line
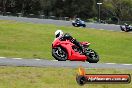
37 59
110 63
126 64
56 60
2 57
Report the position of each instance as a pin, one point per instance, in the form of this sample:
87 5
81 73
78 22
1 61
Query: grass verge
28 40
32 77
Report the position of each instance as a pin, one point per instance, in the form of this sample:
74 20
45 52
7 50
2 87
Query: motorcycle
66 50
126 28
78 23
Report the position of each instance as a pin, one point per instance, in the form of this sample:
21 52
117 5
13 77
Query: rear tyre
59 54
84 25
93 57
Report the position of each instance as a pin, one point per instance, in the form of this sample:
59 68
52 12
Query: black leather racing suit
67 36
78 21
127 26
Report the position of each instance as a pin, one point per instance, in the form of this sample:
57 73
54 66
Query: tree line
86 9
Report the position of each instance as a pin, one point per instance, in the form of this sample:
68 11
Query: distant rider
126 25
78 20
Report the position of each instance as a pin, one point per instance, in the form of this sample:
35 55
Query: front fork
88 52
60 50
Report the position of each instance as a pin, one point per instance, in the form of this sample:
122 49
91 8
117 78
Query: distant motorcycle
78 23
126 27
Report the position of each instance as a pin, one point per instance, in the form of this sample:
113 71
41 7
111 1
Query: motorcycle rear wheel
93 57
59 54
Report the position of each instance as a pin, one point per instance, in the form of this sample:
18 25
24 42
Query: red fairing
77 57
72 54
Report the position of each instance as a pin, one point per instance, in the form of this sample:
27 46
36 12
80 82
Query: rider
59 34
78 20
126 25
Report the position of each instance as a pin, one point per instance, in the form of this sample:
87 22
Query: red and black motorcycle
66 50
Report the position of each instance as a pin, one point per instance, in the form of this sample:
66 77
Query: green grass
28 40
31 77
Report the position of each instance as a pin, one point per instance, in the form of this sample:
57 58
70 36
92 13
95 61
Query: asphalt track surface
52 63
62 23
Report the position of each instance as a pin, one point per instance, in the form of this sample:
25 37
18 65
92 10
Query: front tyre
122 28
59 54
73 24
84 25
93 57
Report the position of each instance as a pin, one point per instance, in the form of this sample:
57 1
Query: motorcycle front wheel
59 54
84 25
75 25
93 57
122 28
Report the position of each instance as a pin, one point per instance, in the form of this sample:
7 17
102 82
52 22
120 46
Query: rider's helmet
58 33
126 24
77 19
